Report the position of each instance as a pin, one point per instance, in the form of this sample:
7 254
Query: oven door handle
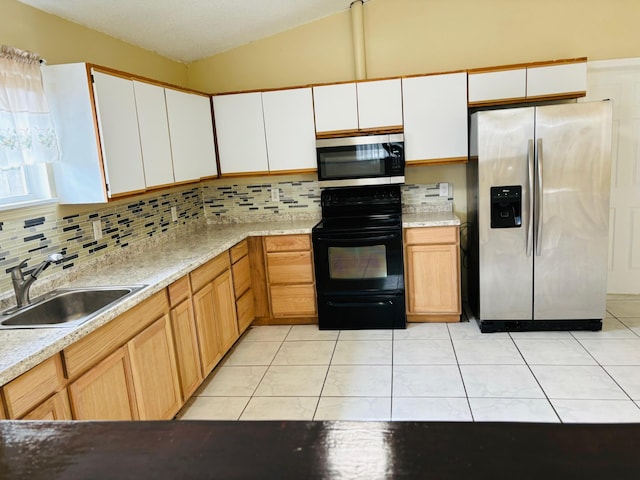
340 240
359 304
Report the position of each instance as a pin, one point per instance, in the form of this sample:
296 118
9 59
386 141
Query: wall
60 41
421 36
35 232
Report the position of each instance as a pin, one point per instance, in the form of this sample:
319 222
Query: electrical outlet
275 194
444 189
174 214
97 229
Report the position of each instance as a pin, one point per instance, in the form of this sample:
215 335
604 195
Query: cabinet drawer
246 311
210 270
241 276
431 235
179 291
97 345
238 251
289 267
287 243
293 300
33 387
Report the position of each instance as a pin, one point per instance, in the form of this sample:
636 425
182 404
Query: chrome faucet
21 285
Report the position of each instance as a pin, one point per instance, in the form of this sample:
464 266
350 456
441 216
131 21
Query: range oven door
349 262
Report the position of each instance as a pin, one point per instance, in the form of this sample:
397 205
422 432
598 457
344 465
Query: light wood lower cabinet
215 310
154 372
432 264
183 323
290 279
241 270
34 387
225 311
203 307
55 408
105 392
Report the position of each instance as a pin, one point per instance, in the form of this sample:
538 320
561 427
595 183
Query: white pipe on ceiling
357 31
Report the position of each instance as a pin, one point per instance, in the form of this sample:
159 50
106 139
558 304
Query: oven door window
355 161
357 263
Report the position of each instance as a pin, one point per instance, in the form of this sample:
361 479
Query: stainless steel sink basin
66 307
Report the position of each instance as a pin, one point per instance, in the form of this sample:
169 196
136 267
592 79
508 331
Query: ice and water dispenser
506 207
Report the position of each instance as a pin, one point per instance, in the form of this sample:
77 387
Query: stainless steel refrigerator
538 204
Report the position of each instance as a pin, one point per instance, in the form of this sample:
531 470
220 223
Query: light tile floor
430 372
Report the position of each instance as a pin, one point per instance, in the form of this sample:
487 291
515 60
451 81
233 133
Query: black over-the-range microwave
361 160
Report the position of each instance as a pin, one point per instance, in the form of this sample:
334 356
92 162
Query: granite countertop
155 264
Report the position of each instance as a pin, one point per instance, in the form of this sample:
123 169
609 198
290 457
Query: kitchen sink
66 307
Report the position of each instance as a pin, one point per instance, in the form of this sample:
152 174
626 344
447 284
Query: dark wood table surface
302 450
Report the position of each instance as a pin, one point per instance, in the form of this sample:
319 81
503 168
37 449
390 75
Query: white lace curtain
26 130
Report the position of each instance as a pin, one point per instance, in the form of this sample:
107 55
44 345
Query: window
28 143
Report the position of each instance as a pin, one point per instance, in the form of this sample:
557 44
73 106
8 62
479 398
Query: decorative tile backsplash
254 201
39 231
45 230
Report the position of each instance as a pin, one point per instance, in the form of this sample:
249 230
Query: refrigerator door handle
538 197
529 206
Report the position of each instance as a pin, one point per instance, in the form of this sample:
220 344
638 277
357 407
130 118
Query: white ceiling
188 30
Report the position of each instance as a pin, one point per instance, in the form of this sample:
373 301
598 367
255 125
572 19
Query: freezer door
505 265
573 152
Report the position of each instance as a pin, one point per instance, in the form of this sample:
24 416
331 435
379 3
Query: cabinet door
79 173
559 79
191 133
435 117
154 134
336 107
225 311
433 283
379 104
186 340
154 372
203 306
119 135
240 133
497 86
105 391
289 129
241 276
55 408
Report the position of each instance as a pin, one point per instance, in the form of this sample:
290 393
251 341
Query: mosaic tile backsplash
39 231
123 224
253 202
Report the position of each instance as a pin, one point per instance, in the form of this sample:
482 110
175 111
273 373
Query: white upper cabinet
240 132
146 136
379 104
564 79
368 105
191 131
289 129
556 79
265 131
118 126
154 134
497 85
335 107
435 117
